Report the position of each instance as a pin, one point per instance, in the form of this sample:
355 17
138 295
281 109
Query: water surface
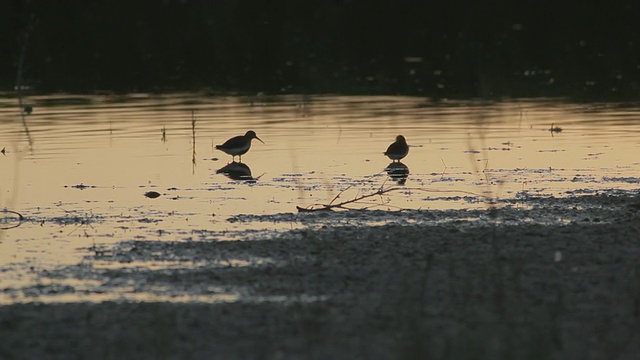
80 172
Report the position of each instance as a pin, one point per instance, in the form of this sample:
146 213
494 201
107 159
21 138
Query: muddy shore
547 279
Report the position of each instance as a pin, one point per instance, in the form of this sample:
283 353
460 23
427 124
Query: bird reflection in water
237 171
398 172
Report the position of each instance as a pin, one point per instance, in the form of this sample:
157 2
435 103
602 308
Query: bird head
252 135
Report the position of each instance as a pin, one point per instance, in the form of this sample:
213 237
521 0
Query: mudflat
541 279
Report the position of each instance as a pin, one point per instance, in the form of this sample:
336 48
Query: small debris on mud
152 194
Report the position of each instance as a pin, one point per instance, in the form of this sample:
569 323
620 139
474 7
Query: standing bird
398 149
238 145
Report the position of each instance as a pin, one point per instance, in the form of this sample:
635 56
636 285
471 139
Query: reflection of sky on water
94 158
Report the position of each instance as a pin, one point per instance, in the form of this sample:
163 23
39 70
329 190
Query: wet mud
536 278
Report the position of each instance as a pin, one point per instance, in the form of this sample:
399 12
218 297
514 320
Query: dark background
440 49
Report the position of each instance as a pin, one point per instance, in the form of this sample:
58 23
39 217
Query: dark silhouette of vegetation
446 48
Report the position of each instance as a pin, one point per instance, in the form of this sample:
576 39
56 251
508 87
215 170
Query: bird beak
259 140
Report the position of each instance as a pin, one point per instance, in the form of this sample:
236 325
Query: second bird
238 145
398 150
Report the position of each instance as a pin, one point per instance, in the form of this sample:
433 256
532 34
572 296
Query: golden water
80 173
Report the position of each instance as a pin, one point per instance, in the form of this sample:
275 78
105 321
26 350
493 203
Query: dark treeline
447 48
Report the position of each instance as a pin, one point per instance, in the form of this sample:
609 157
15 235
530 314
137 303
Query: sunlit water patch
78 168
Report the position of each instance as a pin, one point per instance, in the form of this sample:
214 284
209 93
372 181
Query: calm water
80 174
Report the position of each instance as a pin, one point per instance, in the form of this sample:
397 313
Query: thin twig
193 140
20 218
486 174
338 195
23 53
380 192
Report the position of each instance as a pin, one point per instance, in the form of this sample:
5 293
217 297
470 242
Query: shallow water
80 173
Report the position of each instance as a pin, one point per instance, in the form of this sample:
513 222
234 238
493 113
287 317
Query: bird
238 145
398 150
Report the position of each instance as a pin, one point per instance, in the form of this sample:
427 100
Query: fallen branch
358 199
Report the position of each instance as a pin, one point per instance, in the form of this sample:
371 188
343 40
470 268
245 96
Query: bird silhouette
398 150
238 145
